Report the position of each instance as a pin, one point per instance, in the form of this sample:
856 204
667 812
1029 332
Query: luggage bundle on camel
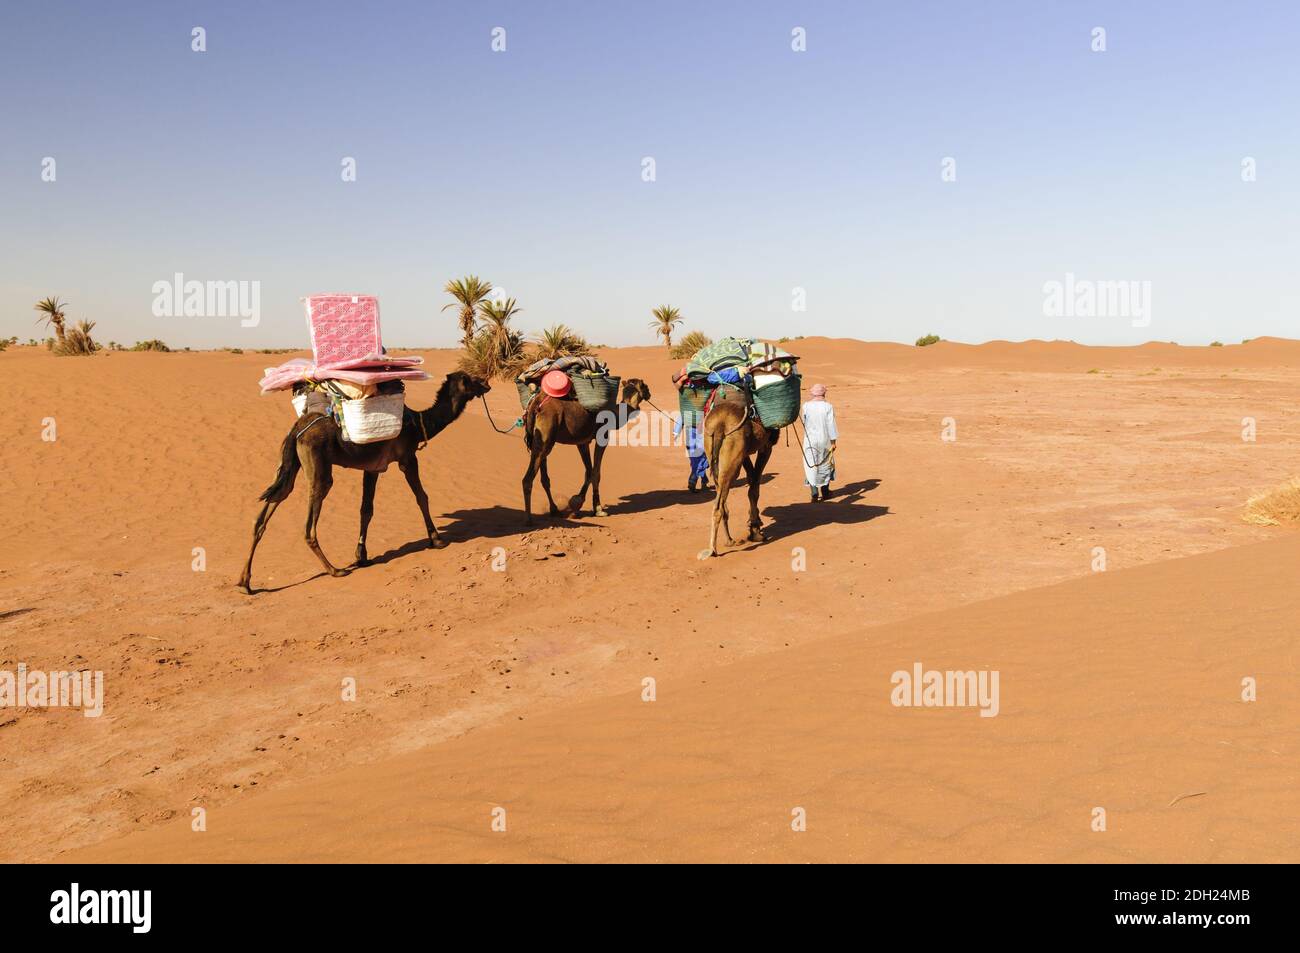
351 378
759 375
590 382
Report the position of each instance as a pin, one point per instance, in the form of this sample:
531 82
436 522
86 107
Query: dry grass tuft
77 341
687 346
1279 506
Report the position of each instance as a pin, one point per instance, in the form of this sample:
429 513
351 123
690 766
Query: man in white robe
819 436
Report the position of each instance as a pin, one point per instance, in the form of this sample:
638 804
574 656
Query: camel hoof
438 543
243 587
555 511
600 511
336 573
361 563
757 536
705 554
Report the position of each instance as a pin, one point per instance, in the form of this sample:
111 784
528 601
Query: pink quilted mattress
344 327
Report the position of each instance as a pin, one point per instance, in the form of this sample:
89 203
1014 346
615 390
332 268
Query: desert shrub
494 354
559 340
928 340
150 345
1216 344
77 340
1276 506
688 345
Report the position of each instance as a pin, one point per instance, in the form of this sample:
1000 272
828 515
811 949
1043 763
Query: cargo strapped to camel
593 386
365 413
760 375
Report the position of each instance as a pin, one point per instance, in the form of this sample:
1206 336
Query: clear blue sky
775 169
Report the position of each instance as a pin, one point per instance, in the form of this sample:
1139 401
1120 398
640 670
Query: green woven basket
691 401
777 404
525 394
595 393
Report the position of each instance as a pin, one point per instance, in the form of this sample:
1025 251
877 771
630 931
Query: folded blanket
567 364
357 371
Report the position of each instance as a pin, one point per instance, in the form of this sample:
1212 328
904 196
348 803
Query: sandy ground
522 688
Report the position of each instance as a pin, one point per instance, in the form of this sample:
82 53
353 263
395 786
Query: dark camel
732 434
563 420
316 445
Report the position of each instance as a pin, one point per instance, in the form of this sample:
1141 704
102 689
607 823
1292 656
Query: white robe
818 418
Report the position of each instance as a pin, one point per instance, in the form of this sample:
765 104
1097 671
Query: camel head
635 391
462 387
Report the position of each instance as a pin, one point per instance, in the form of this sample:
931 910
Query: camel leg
546 485
320 480
369 481
535 456
411 470
259 527
754 477
729 460
596 508
579 498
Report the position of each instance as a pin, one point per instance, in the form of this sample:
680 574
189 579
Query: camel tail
289 465
713 455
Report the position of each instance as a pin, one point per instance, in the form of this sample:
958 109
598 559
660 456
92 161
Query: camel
552 420
732 434
316 445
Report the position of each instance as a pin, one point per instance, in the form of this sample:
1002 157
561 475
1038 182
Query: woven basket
691 401
777 404
372 419
526 393
595 393
312 402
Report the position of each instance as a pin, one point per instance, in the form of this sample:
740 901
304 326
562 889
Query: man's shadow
843 508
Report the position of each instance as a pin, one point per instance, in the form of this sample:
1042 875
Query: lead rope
519 421
804 453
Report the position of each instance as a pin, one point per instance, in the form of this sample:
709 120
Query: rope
661 413
419 417
803 451
519 421
309 426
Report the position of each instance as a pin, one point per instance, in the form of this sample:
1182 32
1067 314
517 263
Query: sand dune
1121 691
216 699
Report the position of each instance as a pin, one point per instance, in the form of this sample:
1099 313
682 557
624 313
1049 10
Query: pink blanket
343 327
358 371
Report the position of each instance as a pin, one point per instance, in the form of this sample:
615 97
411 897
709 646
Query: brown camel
732 434
316 445
552 420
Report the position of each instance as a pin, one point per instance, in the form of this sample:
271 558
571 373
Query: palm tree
496 350
666 318
52 311
469 293
559 340
496 315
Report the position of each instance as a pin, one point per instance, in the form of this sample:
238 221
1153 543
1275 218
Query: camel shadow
658 499
492 522
843 508
289 585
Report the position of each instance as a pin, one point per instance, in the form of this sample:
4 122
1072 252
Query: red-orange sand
522 689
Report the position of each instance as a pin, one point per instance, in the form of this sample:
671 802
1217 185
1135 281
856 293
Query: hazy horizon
775 170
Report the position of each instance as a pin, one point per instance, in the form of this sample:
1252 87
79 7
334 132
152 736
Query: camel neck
444 410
